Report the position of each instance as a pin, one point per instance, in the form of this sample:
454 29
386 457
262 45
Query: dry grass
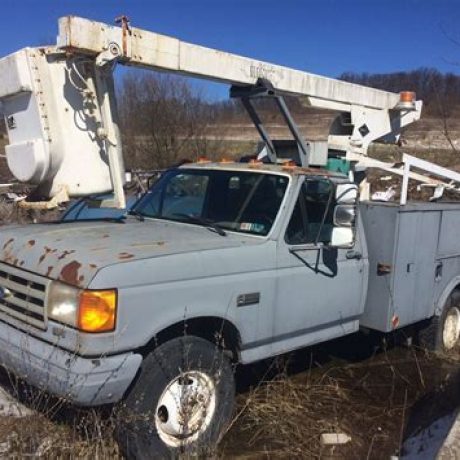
39 437
51 428
374 401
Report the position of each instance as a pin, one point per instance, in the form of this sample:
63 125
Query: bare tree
163 120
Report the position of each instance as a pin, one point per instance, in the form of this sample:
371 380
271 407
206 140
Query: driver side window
312 217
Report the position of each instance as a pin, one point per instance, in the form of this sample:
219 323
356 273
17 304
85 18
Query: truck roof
283 168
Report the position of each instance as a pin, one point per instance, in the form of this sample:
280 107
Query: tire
184 368
442 333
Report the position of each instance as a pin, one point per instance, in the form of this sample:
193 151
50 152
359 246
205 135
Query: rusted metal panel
74 253
288 169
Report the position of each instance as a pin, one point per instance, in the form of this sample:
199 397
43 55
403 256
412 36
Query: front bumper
82 381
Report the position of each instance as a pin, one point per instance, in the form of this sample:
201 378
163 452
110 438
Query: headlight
63 301
87 310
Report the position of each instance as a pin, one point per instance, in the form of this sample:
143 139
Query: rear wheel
451 329
442 333
181 402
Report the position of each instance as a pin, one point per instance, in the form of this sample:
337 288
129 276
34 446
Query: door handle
438 272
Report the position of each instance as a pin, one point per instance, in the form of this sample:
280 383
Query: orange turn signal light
407 96
406 101
97 310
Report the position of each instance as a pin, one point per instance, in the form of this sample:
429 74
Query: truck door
320 288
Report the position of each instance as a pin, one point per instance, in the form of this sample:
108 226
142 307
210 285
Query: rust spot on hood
45 254
125 255
65 254
8 243
69 273
93 266
31 243
48 272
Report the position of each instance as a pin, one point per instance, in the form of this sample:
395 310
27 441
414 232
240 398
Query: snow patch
11 407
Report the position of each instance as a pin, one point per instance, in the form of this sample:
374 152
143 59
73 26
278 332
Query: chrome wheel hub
186 408
451 329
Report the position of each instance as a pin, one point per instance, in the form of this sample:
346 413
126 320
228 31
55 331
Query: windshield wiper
138 215
116 220
200 220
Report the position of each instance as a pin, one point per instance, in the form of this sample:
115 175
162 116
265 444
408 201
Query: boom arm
66 141
137 47
373 114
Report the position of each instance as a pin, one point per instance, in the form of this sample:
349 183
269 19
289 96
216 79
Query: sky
326 37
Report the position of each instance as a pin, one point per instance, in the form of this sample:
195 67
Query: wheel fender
195 326
439 305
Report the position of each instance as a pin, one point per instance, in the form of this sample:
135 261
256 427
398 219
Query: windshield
240 201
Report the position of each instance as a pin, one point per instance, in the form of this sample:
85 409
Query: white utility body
60 109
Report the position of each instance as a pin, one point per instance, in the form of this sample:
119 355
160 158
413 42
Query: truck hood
74 252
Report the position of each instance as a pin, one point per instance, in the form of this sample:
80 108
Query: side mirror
342 237
343 232
346 193
344 215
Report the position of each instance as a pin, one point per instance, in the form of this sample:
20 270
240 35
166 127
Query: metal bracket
61 197
431 168
109 134
110 55
264 88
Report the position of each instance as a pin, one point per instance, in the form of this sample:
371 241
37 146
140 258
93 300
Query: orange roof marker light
406 101
203 160
289 165
225 160
255 164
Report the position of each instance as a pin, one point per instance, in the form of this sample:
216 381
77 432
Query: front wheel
181 402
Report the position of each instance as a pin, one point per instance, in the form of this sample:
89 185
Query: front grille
23 295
